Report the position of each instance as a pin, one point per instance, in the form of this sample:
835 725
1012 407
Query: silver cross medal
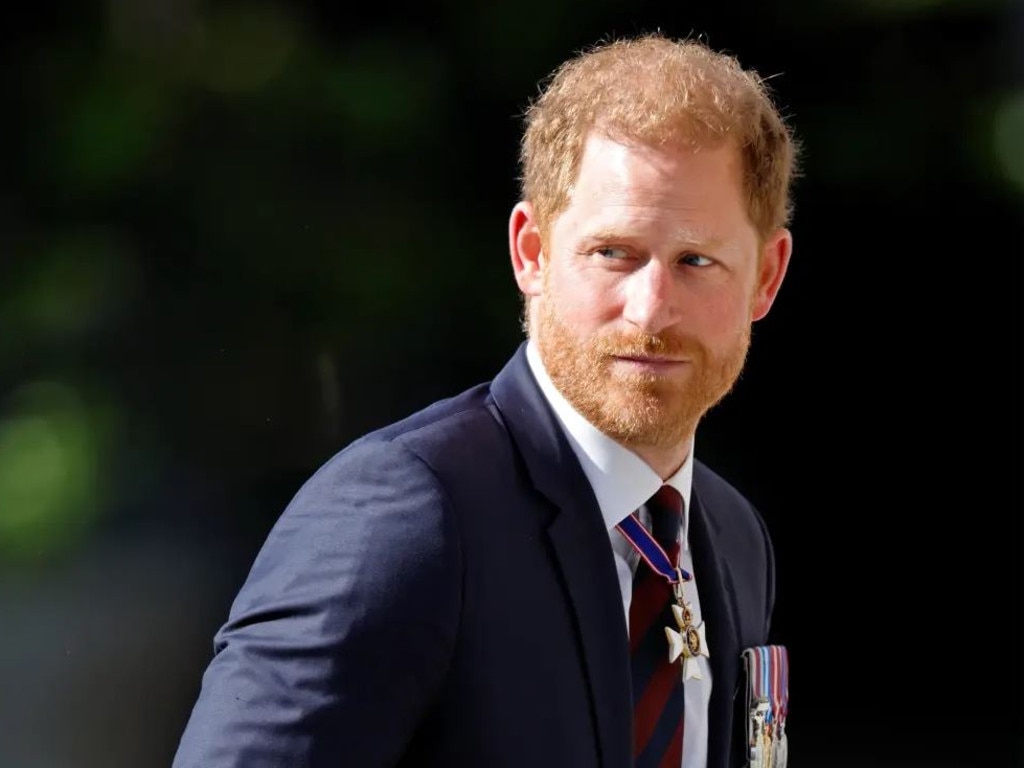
689 641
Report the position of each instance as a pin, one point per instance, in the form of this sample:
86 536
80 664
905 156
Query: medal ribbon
780 680
650 550
770 679
764 679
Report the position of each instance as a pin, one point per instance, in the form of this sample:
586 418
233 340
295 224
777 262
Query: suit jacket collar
582 548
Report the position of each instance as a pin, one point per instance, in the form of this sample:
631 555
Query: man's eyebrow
680 234
604 234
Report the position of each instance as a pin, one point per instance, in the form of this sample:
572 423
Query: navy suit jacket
442 592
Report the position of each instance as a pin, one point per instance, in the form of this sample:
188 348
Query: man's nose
649 298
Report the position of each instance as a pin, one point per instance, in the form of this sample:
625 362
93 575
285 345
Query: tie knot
666 508
668 498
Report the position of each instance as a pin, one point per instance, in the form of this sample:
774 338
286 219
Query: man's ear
526 247
774 261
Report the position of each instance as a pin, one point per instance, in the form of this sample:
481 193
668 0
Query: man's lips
649 359
651 363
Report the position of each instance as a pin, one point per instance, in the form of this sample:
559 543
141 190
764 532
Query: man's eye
613 253
695 260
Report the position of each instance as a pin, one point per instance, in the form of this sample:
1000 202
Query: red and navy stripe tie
657 684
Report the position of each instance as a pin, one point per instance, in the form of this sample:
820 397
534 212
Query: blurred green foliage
1008 138
52 449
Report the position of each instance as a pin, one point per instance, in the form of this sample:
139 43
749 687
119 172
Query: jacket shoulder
464 425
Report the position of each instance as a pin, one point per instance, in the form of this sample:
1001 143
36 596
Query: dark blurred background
235 236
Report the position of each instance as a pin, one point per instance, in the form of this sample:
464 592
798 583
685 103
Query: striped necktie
657 683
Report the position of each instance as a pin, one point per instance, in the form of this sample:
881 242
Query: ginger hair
655 90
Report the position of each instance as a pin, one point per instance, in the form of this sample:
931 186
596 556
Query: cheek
584 301
719 317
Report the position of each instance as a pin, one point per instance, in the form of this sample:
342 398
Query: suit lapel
718 608
582 548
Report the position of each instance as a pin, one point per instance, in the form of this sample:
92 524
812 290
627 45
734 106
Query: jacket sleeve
343 630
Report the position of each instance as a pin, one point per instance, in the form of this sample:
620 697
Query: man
460 588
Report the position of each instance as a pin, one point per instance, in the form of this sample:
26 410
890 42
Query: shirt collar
621 480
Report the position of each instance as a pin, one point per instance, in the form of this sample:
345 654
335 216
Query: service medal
689 642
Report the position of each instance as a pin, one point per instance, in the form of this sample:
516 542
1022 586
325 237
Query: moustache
638 344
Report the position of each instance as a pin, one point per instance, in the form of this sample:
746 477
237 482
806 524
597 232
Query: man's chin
641 396
634 422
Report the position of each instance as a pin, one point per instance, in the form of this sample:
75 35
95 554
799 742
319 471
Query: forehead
624 183
608 162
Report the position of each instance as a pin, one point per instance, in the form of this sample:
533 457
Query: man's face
650 280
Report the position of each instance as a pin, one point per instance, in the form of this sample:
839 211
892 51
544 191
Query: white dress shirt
622 483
